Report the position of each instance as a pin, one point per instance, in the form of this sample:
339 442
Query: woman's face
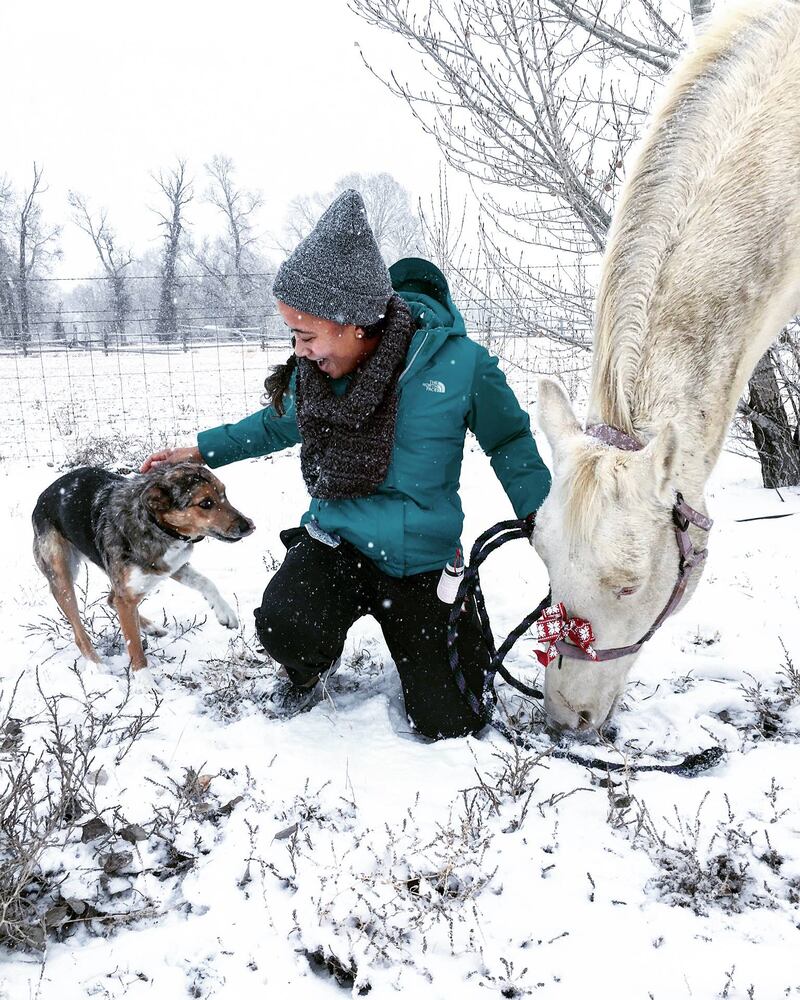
337 349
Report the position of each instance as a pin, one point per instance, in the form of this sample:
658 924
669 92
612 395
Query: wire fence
77 386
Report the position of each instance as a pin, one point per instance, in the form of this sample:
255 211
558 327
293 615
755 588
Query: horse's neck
702 267
694 382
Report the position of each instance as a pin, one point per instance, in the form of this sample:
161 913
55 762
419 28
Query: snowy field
59 403
72 404
213 851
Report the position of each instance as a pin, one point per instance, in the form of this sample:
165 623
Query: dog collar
173 533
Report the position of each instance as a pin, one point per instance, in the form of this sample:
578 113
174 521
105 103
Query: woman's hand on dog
172 456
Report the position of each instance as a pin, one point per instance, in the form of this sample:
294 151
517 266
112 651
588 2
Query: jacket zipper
414 358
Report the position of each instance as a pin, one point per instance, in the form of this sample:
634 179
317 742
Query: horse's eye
206 504
626 591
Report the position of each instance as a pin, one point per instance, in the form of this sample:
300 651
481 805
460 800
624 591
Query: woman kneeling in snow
379 392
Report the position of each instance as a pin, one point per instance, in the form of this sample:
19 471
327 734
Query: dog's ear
156 499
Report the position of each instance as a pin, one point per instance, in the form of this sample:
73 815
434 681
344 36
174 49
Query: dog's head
189 499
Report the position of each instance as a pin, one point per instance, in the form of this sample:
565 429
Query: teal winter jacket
412 522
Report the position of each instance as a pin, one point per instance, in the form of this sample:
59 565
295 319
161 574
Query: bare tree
538 103
35 245
177 189
238 207
114 260
534 100
9 321
442 228
9 318
392 219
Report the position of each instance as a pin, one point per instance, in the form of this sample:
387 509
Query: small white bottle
450 580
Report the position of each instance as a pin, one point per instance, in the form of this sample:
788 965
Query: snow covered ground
337 852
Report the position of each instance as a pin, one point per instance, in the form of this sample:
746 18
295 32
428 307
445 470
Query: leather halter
683 515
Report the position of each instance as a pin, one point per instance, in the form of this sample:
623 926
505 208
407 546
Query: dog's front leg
191 578
145 625
127 607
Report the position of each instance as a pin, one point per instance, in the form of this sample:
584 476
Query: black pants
319 592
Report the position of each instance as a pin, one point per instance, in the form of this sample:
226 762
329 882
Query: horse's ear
554 412
663 455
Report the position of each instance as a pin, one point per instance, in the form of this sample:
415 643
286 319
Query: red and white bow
555 626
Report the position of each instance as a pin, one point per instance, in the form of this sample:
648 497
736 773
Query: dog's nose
245 526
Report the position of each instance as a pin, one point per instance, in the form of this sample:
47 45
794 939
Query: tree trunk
9 321
239 317
23 290
700 10
120 307
167 322
775 440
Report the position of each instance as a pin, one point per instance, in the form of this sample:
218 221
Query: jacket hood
425 290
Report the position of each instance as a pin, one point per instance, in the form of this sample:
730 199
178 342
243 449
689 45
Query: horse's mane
585 489
713 96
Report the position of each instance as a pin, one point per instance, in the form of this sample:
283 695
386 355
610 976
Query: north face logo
433 386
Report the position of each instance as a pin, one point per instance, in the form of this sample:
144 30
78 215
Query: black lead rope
485 706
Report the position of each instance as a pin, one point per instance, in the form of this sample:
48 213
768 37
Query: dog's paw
88 666
150 628
226 616
144 682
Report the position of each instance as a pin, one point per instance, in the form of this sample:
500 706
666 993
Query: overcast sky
103 94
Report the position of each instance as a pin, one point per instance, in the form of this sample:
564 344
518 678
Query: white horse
701 272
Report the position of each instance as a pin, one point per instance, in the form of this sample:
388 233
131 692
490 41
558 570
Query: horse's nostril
586 719
609 731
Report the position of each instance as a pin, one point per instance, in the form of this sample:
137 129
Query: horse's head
607 536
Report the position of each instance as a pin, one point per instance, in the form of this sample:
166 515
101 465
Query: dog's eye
206 504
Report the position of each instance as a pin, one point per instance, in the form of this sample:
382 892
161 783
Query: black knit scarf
348 439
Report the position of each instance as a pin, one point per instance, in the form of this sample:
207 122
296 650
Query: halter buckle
694 558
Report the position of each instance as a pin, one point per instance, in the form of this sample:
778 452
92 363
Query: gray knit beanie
337 272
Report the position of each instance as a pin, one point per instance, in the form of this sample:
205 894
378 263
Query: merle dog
139 529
